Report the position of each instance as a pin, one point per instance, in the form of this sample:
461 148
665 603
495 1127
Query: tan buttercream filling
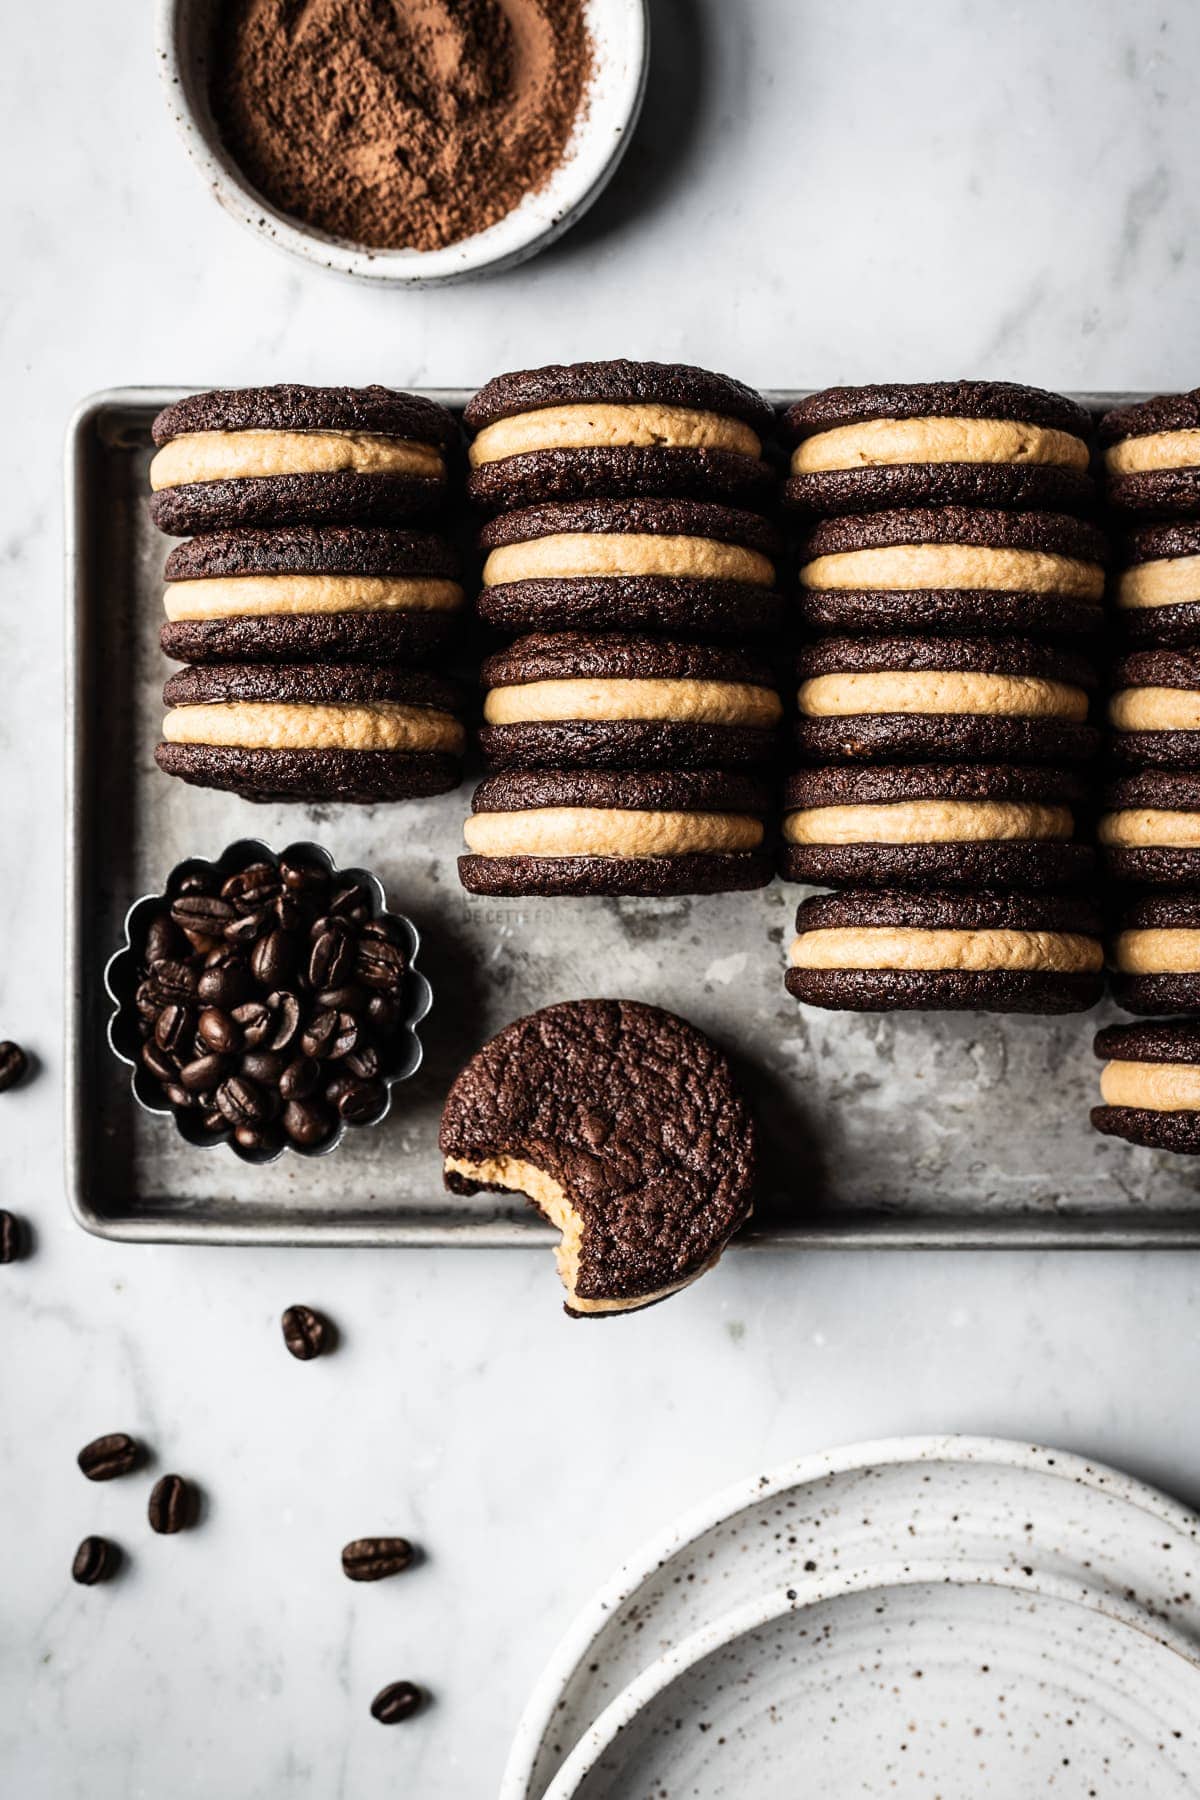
1158 450
1157 1087
256 725
939 691
1155 709
928 822
883 442
233 596
608 831
1160 951
237 455
582 426
1170 582
700 702
521 1177
907 566
906 947
566 554
1150 825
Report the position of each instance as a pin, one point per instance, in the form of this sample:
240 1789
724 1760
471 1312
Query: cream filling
1158 951
879 443
694 702
262 725
906 947
565 555
928 822
1171 581
608 831
908 566
237 455
1157 450
1149 825
234 596
939 691
1156 1087
549 1197
1155 709
584 426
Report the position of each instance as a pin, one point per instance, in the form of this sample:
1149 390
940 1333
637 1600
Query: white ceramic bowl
620 34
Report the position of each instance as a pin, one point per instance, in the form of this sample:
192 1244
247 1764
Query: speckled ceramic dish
869 1509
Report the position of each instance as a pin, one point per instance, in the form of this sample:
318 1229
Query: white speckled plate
923 1686
868 1511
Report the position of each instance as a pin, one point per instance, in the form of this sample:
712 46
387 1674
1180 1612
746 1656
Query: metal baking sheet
917 1130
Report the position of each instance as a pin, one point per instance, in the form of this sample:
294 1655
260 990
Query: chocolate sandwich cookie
332 593
944 951
1154 955
292 455
938 443
684 567
606 429
567 701
959 700
1150 1085
954 568
935 825
1149 831
624 1126
1152 456
1158 590
1154 709
299 731
597 831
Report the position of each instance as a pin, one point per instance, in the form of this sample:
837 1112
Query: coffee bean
373 1559
202 918
363 1062
347 998
274 957
379 964
383 1010
196 883
285 1023
160 1065
346 1037
225 981
307 1122
320 1034
255 1020
12 1238
330 960
219 1031
162 939
396 1702
304 877
214 1121
95 1560
306 1332
247 928
107 1457
264 1139
174 980
299 1079
264 1066
204 1074
171 1505
361 1100
253 889
174 1030
351 902
148 1000
178 1096
288 912
241 1101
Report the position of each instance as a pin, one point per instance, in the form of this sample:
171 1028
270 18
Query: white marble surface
818 192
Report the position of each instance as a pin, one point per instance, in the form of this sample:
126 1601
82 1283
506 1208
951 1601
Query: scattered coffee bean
171 1505
12 1238
13 1064
95 1560
107 1457
306 1332
373 1559
396 1702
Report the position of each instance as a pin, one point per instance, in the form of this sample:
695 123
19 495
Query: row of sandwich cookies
630 725
316 585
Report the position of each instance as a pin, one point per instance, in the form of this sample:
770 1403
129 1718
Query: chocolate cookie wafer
605 429
684 567
934 826
943 951
1150 1085
292 455
569 700
938 443
1149 831
1154 955
1152 456
958 700
585 831
348 732
954 569
303 593
1158 590
624 1126
1154 709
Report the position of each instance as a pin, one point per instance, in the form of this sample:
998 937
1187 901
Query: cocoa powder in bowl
399 124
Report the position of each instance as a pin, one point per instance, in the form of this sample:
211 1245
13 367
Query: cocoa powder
399 123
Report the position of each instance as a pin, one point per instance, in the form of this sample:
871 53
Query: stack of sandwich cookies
312 732
1154 956
1152 457
1154 710
936 444
1150 1085
1158 589
1149 831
